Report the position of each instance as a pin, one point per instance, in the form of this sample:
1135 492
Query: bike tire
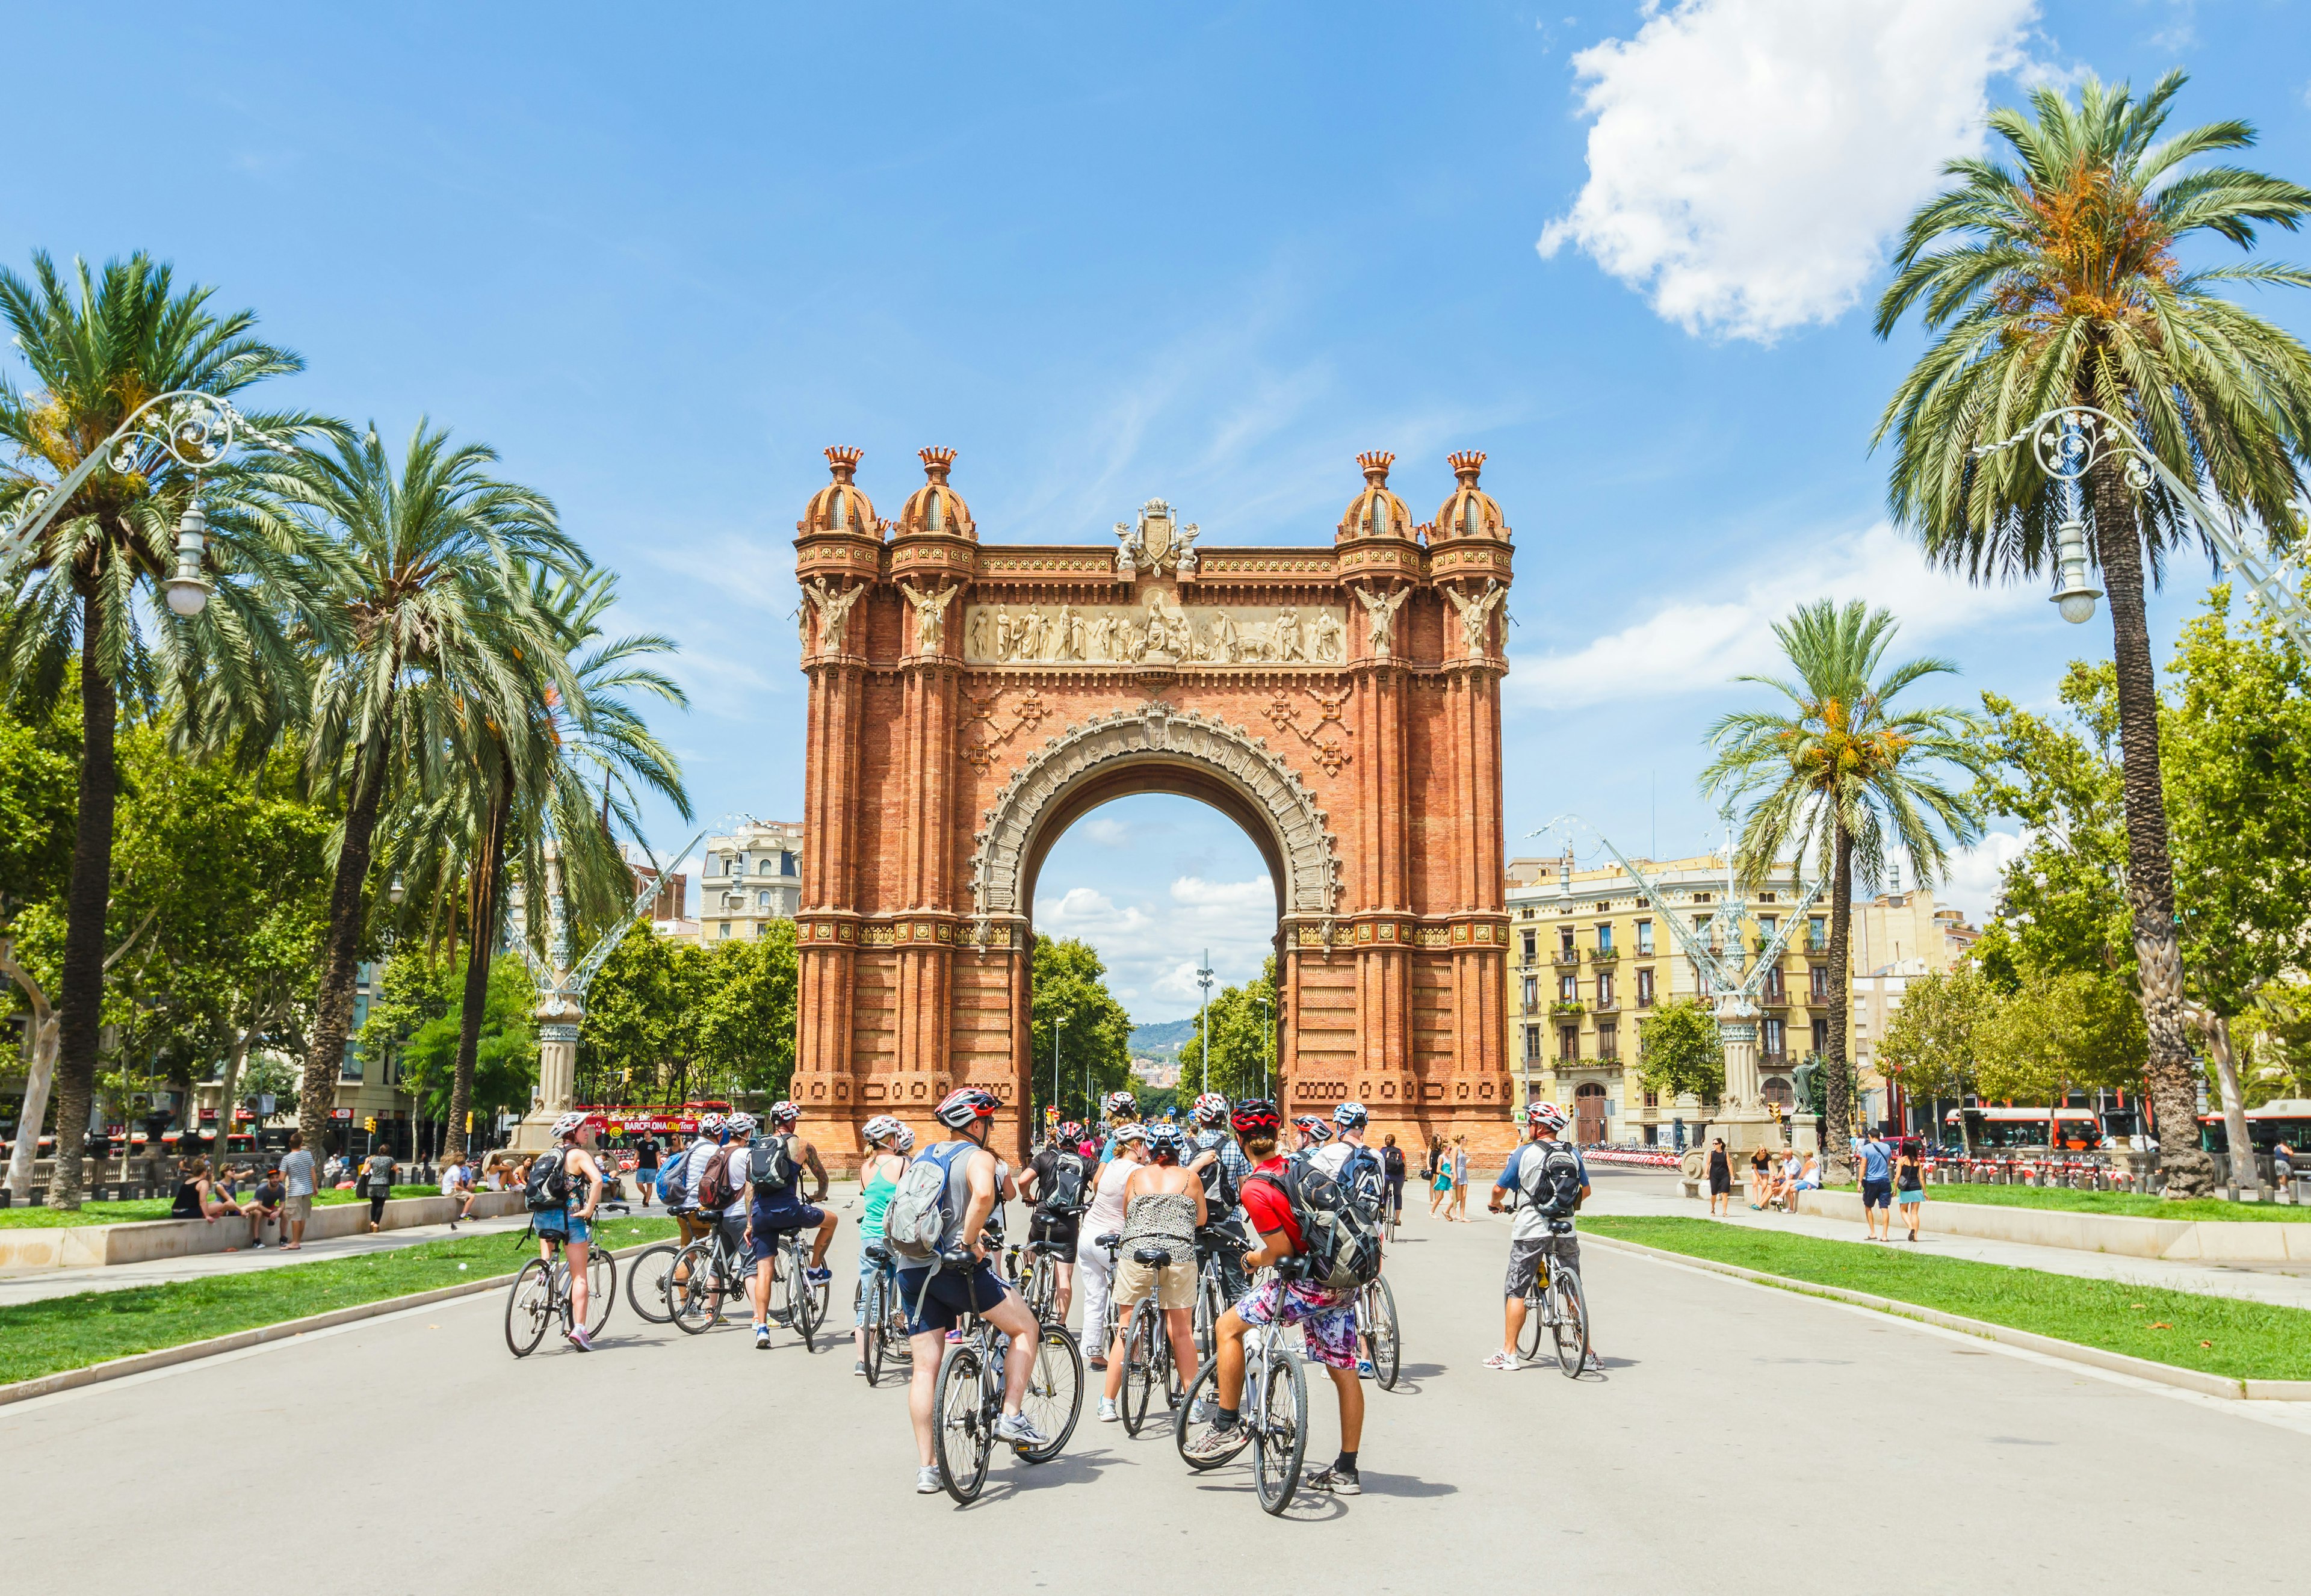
1282 1445
601 1287
1572 1327
803 1311
530 1306
1138 1366
1042 1286
1207 1384
1381 1333
875 1317
1208 1308
694 1302
960 1434
1536 1320
650 1274
1055 1392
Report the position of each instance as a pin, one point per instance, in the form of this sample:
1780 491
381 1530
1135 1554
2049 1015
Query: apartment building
749 879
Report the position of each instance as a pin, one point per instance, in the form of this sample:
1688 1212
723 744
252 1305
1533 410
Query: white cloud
1695 643
1153 946
1748 158
1977 874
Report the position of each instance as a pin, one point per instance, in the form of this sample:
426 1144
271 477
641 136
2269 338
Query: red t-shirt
1265 1207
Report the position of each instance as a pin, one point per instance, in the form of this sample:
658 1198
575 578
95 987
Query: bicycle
1213 1244
1376 1323
703 1278
1149 1359
969 1399
876 1302
540 1294
1274 1412
805 1300
649 1281
1041 1286
1554 1302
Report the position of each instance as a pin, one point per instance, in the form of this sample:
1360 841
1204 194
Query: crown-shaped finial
935 462
1375 464
1467 463
844 460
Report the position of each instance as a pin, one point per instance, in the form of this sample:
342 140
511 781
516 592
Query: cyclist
1309 1133
1355 1165
1050 1176
677 1179
1391 1163
1539 1193
771 1210
1327 1318
572 1224
878 1177
936 1298
1164 1207
1104 1217
1121 1108
1223 1168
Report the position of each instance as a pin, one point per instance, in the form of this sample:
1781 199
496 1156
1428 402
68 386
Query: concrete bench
89 1247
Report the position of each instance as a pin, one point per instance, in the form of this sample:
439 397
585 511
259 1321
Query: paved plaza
1739 1433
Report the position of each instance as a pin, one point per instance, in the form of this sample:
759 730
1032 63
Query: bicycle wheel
1054 1399
530 1307
803 1309
1379 1315
1042 1286
961 1435
601 1287
694 1292
1139 1372
1208 1308
1283 1444
1572 1326
648 1273
1536 1320
1207 1384
1167 1361
875 1319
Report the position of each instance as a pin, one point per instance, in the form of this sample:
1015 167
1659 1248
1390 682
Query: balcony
1608 1006
1604 955
1570 1006
1568 955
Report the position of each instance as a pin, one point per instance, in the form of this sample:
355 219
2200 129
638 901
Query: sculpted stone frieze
1160 630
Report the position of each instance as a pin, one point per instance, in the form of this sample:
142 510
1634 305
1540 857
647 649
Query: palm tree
98 346
2057 282
1844 775
441 640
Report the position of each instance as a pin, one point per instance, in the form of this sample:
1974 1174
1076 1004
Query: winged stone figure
1476 613
930 615
833 607
1379 611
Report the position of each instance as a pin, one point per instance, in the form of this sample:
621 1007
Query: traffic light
369 1124
469 1121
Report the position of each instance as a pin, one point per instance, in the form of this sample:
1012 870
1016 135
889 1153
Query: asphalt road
1741 1437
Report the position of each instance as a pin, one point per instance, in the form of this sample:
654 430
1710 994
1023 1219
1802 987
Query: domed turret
842 505
1375 512
935 507
1470 511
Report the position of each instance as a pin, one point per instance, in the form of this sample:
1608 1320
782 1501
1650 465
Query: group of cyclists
1138 1211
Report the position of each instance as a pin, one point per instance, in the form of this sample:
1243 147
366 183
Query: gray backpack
917 1218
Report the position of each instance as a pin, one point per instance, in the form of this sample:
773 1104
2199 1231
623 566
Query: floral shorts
1328 1318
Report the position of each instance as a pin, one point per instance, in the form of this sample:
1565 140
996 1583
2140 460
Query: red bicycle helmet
1255 1116
967 1106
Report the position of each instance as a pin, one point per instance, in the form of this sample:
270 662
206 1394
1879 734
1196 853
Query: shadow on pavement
1404 1485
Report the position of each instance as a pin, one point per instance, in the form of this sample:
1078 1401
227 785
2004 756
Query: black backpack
546 1188
1220 1195
1339 1243
770 1162
1552 1181
1067 1190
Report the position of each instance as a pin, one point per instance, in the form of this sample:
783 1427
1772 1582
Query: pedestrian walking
296 1192
1909 1189
1460 1208
1721 1178
1438 1173
377 1183
646 1166
1877 1187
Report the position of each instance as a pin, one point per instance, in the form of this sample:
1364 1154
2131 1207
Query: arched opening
1589 1113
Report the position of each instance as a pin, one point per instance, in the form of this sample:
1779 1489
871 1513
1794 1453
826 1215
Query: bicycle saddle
1114 1238
1155 1258
1560 1227
878 1254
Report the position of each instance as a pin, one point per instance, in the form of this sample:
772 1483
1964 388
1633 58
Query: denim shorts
562 1226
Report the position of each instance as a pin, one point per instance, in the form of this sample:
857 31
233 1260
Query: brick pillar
823 1084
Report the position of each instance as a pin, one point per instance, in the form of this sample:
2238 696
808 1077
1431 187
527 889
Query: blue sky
1107 253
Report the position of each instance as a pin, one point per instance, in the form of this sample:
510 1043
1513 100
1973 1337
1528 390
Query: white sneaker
1019 1430
1107 1411
927 1480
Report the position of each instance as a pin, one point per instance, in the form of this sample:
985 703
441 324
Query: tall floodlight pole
1204 980
1059 1023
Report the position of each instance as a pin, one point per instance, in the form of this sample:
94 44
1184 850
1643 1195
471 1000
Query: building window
1776 1038
1821 1036
1604 988
1532 946
1774 990
1608 1041
725 931
350 1068
1568 1044
1765 927
1531 992
1605 938
1567 989
1565 940
789 864
763 900
1645 987
1533 1044
764 869
1817 941
1818 980
1644 938
1652 1098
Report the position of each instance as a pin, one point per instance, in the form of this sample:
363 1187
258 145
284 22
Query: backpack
669 1178
917 1218
711 1189
1363 1176
1339 1241
1067 1190
546 1189
770 1162
1220 1195
1552 1181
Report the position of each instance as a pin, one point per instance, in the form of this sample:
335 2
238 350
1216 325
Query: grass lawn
2217 1335
67 1333
2126 1205
156 1207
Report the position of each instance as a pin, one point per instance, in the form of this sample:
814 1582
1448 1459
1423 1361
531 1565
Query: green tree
2063 904
1844 775
506 1071
1929 1044
1069 982
638 1022
742 993
1243 1021
1679 1051
97 347
426 570
2075 1030
2058 281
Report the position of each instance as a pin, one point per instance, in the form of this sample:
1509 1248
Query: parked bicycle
1275 1413
1553 1302
540 1296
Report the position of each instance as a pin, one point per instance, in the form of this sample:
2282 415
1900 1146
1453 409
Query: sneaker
819 1275
1215 1444
1202 1412
1108 1411
259 1246
1592 1366
762 1338
1020 1431
859 1368
1339 1481
578 1338
1507 1361
927 1480
1364 1368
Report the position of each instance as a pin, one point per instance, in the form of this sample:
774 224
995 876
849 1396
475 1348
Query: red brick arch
971 702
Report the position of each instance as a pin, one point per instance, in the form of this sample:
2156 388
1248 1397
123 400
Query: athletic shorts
1877 1194
1525 1256
936 1300
564 1228
769 1223
1327 1318
1066 1229
1172 1287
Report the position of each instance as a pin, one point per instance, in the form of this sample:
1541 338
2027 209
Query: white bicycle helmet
881 1126
739 1125
568 1124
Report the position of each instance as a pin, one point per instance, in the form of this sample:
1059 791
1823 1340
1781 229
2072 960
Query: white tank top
1107 1202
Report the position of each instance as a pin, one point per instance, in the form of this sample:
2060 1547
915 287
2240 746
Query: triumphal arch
970 701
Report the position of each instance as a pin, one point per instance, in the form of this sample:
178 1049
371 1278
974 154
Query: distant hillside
1161 1042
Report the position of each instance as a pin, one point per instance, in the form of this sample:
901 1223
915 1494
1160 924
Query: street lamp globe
188 591
2075 599
2077 608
